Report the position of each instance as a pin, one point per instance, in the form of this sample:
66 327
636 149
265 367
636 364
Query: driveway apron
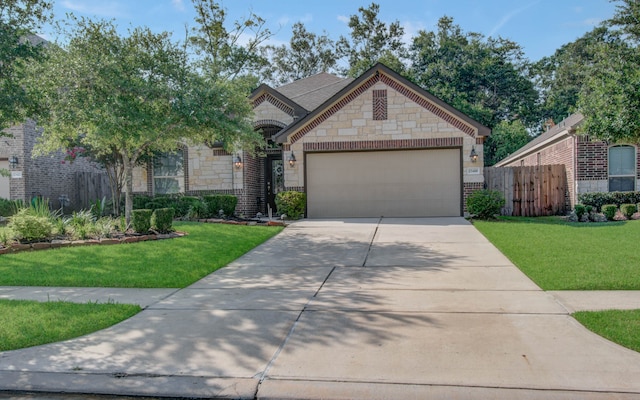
363 308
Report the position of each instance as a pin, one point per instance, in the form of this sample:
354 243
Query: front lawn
29 323
620 326
172 263
558 255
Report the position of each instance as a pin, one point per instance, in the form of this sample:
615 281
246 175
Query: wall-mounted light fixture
473 155
13 162
292 160
237 161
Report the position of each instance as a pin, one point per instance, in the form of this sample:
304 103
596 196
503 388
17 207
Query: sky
539 26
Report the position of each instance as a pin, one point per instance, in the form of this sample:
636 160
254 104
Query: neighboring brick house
591 166
373 146
44 176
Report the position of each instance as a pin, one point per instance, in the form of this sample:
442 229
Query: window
168 173
622 168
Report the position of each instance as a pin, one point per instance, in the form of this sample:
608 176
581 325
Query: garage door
407 183
4 181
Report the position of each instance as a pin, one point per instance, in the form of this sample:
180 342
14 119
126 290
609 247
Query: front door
274 179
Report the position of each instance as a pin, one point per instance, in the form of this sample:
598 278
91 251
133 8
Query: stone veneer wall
45 176
409 125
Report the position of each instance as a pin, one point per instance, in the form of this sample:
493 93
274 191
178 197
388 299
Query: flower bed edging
56 243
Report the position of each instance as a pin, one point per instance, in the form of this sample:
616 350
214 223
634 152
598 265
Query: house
590 165
45 176
373 146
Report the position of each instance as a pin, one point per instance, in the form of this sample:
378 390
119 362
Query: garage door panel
384 183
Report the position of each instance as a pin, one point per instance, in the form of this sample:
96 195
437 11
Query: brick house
373 146
591 166
44 176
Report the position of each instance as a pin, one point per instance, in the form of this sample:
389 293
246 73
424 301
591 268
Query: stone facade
401 117
408 124
45 176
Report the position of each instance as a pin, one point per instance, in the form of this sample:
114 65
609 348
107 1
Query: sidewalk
142 297
571 300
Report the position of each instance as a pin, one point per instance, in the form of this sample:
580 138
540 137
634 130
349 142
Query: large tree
371 41
560 77
610 96
506 137
228 53
484 77
132 95
307 54
19 20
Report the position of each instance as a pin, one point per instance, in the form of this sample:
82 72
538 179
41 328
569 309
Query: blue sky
540 26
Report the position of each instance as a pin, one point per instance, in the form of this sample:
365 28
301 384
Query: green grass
155 264
570 256
29 323
619 326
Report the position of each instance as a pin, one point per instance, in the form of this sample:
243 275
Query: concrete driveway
363 308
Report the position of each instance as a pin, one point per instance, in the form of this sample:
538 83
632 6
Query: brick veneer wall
45 176
592 160
467 189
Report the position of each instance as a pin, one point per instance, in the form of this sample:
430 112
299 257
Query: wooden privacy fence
90 186
530 191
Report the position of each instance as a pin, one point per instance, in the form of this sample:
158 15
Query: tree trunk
128 187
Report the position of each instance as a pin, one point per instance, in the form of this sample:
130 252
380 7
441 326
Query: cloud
110 9
509 16
285 19
344 19
178 5
411 29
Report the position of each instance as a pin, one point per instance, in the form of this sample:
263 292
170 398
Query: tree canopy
610 96
372 40
307 54
483 77
132 95
19 20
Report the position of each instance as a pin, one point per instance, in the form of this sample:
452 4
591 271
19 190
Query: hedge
291 204
225 202
598 199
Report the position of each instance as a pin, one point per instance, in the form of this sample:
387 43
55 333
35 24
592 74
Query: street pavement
362 308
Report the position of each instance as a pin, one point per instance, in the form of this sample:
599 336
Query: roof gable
565 127
267 93
381 73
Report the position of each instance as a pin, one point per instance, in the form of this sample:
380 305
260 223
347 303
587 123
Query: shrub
628 210
485 204
291 204
80 225
225 202
609 211
140 201
598 199
162 219
28 226
141 220
198 210
8 207
580 210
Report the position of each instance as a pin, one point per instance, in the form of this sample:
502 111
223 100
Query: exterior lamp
292 160
13 162
237 161
473 155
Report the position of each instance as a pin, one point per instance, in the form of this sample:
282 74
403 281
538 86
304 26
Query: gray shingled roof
313 91
567 124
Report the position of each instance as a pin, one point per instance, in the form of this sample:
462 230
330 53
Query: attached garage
4 181
406 183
